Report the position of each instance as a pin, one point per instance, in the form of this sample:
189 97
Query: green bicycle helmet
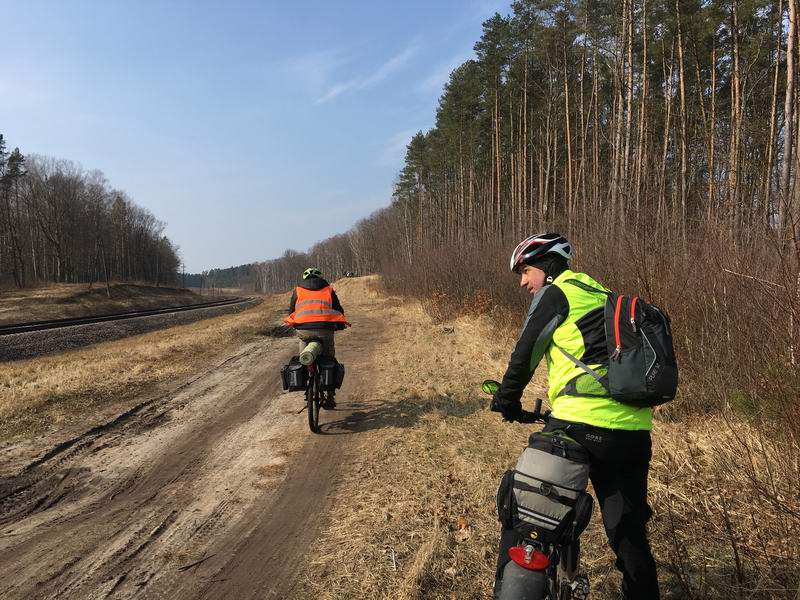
312 272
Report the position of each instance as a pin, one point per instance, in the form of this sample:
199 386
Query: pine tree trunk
568 137
790 154
662 192
712 143
642 136
766 207
684 130
735 121
625 188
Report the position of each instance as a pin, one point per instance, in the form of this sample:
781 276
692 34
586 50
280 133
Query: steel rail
70 322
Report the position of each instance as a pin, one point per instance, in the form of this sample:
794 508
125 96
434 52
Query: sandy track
216 490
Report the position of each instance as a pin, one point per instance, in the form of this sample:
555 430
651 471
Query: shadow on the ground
402 413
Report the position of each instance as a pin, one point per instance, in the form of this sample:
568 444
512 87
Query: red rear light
528 558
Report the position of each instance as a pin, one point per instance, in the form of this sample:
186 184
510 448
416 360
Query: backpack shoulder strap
588 288
581 365
586 368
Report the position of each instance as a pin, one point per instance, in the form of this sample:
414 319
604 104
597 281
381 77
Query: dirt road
215 490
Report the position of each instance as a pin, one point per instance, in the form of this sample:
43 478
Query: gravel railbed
29 345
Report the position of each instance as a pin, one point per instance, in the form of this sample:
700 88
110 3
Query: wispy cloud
441 73
314 70
336 90
390 66
394 150
383 72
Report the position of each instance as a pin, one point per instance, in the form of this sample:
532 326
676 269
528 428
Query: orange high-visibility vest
315 306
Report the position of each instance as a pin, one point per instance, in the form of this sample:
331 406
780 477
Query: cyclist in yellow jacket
566 313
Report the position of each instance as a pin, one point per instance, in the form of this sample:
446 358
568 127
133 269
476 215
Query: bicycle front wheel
312 403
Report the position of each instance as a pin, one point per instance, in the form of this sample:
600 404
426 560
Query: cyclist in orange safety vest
316 312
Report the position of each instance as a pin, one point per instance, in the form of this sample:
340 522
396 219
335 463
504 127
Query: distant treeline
233 277
59 223
335 257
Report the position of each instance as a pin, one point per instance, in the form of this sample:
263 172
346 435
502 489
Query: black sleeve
548 310
336 304
293 301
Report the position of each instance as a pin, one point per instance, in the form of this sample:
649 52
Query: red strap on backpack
617 313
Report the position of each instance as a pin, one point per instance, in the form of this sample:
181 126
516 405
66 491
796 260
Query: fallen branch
195 563
778 285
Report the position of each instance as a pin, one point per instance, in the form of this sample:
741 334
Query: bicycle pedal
580 587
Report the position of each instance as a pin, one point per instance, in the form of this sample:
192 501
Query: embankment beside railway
64 300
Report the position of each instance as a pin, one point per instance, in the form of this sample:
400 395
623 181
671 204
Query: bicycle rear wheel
522 584
313 402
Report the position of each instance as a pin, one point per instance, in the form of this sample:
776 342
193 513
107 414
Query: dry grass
416 518
58 301
52 391
417 515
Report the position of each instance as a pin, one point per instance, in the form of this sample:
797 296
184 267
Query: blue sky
248 127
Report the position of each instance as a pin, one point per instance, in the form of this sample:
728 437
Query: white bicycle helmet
536 247
312 272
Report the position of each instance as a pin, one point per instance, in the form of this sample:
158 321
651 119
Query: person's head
539 259
312 272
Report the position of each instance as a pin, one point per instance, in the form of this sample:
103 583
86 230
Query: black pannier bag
642 370
331 373
339 375
544 497
293 376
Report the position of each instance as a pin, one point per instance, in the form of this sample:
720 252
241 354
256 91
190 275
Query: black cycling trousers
620 462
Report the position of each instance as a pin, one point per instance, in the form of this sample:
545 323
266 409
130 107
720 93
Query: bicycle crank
579 587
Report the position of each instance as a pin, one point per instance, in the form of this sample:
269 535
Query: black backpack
642 370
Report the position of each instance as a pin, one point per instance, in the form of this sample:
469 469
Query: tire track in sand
215 490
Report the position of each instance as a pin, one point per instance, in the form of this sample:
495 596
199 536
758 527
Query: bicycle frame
316 397
313 397
537 571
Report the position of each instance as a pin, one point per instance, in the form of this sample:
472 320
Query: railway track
59 323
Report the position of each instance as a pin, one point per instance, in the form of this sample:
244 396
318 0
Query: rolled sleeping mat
310 353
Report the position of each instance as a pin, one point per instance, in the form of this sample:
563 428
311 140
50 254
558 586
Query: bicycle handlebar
491 387
537 416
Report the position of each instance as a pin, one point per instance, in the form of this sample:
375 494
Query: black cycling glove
511 411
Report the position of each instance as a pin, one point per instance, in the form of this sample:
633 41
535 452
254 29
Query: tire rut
207 491
28 491
56 478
